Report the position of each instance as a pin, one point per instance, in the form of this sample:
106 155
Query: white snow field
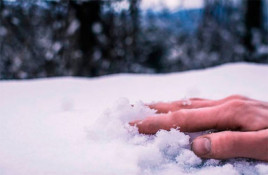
78 126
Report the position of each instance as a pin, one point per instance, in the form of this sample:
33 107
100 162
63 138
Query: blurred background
90 38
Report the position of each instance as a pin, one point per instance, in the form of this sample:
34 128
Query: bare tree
253 20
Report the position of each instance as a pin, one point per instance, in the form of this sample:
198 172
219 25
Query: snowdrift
80 125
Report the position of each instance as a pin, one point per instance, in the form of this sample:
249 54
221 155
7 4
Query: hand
243 123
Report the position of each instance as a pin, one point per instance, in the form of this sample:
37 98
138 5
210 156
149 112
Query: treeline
93 38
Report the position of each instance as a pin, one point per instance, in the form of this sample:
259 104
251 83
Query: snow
3 31
75 24
171 5
80 125
159 5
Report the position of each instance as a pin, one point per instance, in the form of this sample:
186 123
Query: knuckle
219 149
238 112
238 97
264 142
216 141
178 114
178 118
176 105
149 126
173 117
246 115
252 123
239 108
239 104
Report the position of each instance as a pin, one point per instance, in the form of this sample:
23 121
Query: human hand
243 123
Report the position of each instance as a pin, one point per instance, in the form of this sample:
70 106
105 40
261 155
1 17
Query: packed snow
80 126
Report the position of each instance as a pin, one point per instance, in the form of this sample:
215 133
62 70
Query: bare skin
242 122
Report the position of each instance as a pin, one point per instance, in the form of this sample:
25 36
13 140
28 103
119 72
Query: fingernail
201 146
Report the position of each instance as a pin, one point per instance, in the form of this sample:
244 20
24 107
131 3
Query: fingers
192 103
181 104
191 120
225 145
202 119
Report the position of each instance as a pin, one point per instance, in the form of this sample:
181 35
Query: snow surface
171 5
159 5
79 126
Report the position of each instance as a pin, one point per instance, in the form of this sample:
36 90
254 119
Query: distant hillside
187 20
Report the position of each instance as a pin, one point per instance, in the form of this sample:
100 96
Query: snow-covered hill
79 125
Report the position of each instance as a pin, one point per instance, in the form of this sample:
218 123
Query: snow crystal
186 102
97 28
3 31
15 21
56 46
49 55
75 24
